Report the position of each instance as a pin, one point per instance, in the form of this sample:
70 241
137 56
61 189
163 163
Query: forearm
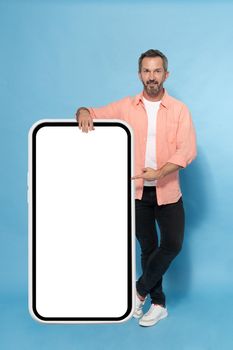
152 174
167 169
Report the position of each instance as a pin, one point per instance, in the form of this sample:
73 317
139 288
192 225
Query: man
164 143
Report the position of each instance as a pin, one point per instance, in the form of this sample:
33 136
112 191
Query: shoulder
172 101
129 99
176 105
125 101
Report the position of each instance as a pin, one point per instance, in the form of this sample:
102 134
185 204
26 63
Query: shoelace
150 309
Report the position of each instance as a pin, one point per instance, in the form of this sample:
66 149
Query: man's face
153 75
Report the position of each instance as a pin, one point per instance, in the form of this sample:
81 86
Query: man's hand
148 174
84 119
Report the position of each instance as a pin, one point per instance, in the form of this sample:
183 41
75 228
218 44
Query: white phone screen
81 222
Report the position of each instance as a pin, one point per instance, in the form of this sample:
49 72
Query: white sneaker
138 307
153 315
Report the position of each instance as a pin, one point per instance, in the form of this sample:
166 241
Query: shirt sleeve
114 110
186 149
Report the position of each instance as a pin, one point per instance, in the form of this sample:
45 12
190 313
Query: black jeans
156 258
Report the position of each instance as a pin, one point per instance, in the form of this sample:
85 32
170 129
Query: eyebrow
144 68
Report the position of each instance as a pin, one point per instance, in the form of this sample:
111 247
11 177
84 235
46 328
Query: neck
155 98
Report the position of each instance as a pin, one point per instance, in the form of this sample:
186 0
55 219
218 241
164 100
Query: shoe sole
151 322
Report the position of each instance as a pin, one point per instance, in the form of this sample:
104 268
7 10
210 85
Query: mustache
151 82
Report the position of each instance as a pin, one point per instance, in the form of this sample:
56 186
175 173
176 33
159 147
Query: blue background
58 55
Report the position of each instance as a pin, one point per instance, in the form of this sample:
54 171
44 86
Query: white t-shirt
150 161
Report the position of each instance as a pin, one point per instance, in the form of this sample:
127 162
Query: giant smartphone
81 222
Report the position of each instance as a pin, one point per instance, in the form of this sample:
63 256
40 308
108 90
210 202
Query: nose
152 76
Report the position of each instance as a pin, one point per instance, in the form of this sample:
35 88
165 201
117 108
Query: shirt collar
164 101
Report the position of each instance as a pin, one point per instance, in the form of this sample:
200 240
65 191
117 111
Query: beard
152 87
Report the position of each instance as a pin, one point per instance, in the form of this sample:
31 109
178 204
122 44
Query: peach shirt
175 139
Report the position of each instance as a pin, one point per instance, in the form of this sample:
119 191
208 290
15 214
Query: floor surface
194 323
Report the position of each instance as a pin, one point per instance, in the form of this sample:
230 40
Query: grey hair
153 53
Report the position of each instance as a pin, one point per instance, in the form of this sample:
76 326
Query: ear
167 75
139 76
